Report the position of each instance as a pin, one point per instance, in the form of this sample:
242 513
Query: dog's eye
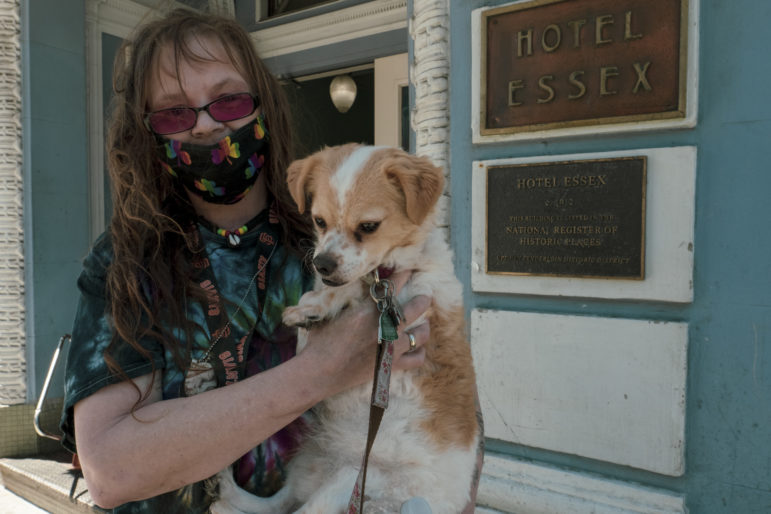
320 222
369 227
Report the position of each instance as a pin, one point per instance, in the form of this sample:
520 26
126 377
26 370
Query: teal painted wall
55 173
728 460
728 419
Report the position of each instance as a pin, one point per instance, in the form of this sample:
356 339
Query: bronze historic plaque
561 63
572 219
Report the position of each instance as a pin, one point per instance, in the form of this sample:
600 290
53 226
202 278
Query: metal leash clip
391 315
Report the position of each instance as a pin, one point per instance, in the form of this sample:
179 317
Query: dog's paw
303 316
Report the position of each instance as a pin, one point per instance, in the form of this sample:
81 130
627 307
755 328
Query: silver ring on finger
413 343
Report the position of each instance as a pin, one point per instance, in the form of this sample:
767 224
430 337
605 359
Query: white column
13 362
429 74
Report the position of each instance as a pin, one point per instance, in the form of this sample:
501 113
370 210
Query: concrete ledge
512 485
47 481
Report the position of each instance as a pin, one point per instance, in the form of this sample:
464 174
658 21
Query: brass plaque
568 219
563 63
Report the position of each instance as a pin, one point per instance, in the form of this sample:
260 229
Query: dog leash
382 292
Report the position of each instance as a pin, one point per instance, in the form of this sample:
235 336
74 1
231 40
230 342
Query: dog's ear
298 179
419 180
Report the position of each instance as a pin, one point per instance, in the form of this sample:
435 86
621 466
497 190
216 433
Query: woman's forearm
165 445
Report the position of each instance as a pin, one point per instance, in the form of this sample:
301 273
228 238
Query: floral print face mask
221 173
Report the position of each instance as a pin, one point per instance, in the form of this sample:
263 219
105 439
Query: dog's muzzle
324 264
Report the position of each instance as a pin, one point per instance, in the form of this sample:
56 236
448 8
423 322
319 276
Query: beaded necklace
233 236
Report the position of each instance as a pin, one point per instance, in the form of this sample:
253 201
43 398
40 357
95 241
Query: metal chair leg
44 392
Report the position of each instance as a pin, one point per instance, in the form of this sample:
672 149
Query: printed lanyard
227 349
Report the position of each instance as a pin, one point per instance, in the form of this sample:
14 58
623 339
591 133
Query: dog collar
384 272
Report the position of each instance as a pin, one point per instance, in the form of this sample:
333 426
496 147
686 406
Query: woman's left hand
346 347
406 356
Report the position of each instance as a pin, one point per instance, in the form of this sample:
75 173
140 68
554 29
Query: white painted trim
669 233
117 17
334 27
260 10
511 485
95 119
331 73
692 92
391 75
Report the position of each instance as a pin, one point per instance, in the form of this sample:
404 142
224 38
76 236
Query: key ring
384 285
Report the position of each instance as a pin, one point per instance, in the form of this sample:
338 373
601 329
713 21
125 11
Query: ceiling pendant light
342 89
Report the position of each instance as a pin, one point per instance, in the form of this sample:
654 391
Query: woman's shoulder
100 255
94 268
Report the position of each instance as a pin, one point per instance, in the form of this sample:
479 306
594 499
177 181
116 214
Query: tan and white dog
375 207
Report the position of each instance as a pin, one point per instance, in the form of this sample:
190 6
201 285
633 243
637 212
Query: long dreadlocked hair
150 212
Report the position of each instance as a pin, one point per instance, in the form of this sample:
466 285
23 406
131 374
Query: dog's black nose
324 264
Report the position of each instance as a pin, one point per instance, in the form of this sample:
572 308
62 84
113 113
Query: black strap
228 356
375 417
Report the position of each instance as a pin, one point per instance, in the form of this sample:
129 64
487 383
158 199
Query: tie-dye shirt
259 471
